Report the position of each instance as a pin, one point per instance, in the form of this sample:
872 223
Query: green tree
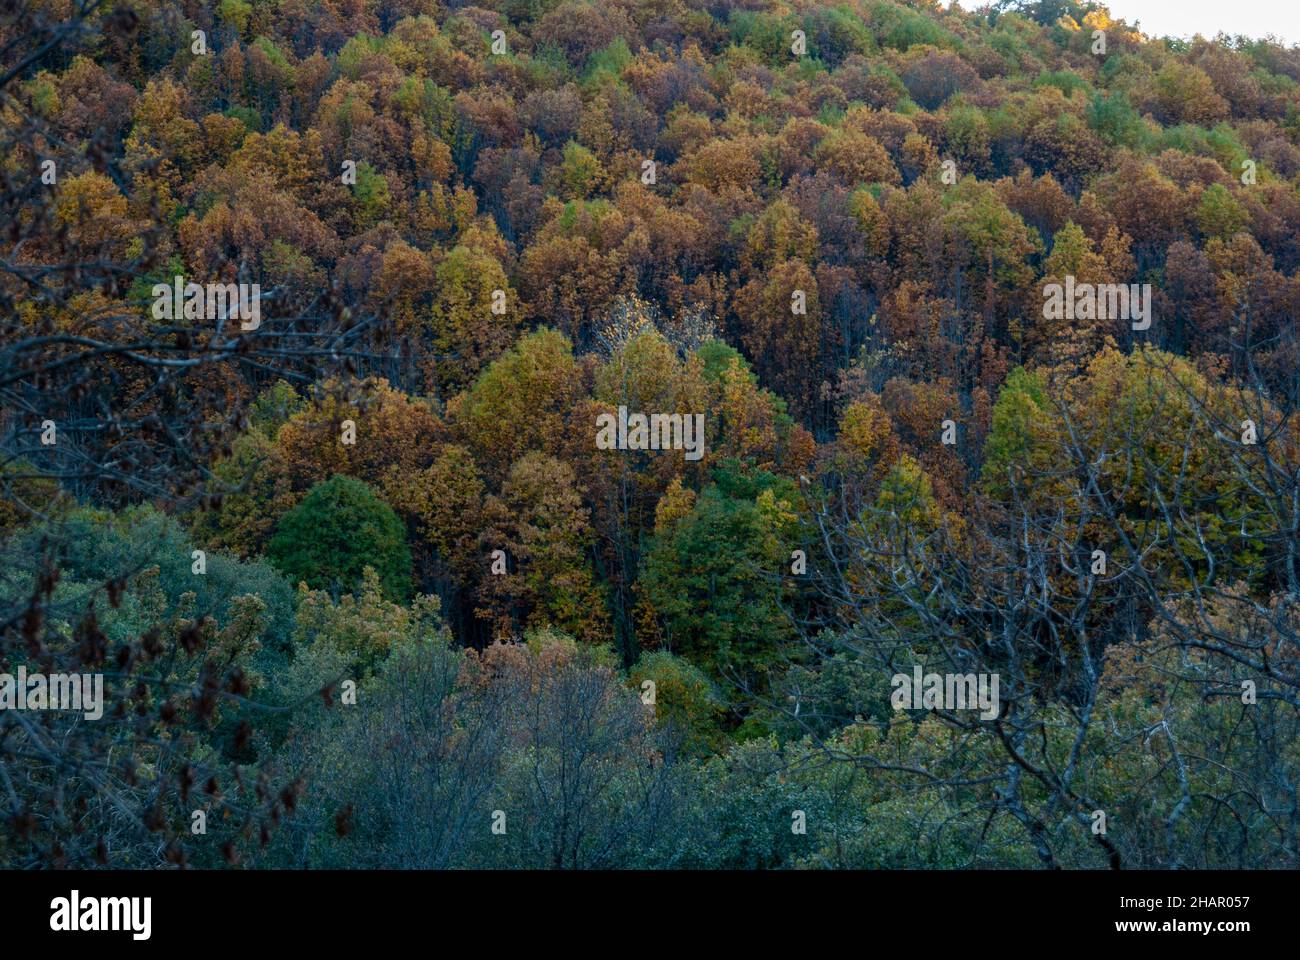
685 700
715 577
341 528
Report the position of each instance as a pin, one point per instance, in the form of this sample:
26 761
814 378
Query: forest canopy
977 327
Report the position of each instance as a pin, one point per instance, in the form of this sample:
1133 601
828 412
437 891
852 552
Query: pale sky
1184 18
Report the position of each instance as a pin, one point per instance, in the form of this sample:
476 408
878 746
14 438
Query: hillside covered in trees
312 311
